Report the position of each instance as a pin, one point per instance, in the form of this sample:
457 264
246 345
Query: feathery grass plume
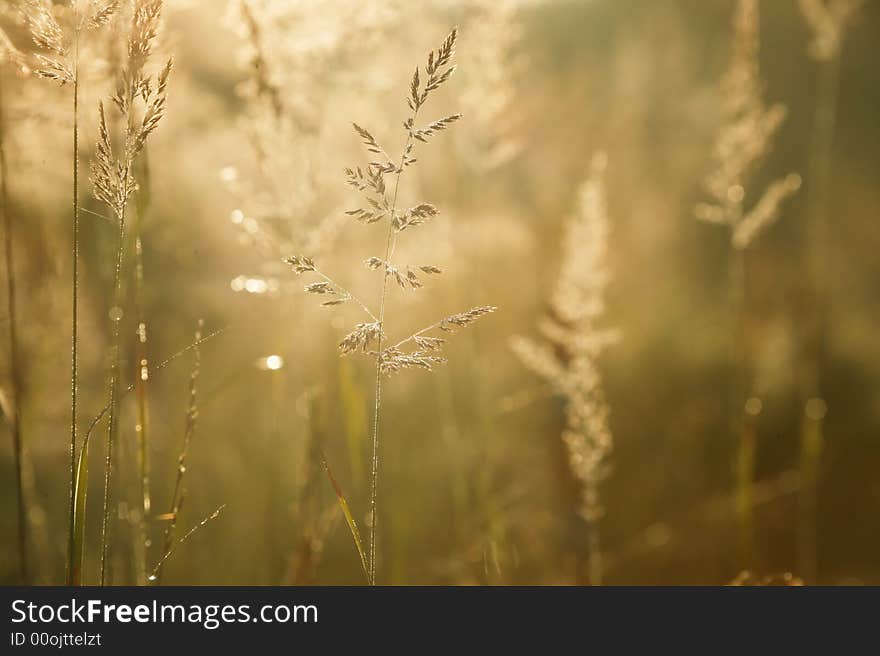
379 183
179 493
291 56
489 98
572 339
57 60
742 143
140 100
828 21
744 140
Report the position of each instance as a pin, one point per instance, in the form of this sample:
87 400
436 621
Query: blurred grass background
476 488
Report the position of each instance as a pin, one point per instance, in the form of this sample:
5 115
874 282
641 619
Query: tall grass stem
112 392
74 356
390 242
813 405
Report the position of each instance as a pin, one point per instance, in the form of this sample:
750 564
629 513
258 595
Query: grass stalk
739 149
567 355
157 570
595 563
390 243
116 316
142 377
177 496
385 206
349 518
114 183
813 404
112 393
744 464
58 61
74 358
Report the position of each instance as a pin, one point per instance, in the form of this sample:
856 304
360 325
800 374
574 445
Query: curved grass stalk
80 487
167 361
349 518
177 496
157 570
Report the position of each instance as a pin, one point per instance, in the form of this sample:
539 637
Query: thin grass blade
80 492
349 518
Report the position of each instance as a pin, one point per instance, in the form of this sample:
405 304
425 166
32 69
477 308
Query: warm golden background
476 485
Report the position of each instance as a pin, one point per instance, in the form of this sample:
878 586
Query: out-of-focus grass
476 481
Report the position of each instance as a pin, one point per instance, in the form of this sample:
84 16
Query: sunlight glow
270 363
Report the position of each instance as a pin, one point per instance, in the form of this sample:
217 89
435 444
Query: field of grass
452 292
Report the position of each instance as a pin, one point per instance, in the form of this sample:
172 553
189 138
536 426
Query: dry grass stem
140 100
57 59
157 570
177 496
379 184
742 143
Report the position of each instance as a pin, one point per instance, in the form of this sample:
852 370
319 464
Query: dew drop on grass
115 313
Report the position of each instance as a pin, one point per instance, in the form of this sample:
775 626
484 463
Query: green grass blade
80 491
349 518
